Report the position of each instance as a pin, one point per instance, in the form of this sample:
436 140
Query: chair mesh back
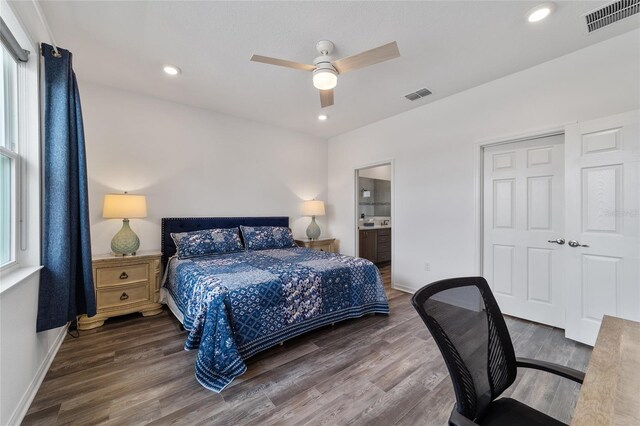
466 323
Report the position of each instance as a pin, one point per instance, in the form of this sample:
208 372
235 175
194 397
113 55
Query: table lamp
313 208
124 206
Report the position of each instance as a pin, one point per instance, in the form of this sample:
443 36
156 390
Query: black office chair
467 325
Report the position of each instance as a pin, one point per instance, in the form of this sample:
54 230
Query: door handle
574 243
559 241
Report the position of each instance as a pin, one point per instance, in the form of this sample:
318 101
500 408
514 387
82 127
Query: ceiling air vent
611 13
420 93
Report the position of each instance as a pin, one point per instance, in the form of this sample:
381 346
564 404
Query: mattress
238 304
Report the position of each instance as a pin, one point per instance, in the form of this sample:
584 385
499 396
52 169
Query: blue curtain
66 281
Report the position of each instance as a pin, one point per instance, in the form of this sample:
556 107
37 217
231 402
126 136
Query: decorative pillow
267 237
206 242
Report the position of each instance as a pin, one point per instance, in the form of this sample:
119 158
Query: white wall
433 150
25 354
193 162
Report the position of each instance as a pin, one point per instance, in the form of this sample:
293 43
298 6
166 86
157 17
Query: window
19 152
9 158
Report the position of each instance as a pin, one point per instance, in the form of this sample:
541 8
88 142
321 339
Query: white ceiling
446 47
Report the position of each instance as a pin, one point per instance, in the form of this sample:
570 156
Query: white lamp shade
124 206
313 208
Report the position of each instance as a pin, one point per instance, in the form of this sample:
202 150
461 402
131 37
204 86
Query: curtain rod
36 5
12 45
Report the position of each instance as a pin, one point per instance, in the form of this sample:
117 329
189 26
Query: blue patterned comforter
238 304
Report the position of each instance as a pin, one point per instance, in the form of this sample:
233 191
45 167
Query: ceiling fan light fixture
325 69
325 79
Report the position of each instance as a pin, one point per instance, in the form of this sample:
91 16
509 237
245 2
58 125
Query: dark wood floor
374 370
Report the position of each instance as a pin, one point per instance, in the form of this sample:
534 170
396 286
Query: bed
235 305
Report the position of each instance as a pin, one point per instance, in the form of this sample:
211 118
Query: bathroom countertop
364 228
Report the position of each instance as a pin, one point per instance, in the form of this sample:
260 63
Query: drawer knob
124 276
124 296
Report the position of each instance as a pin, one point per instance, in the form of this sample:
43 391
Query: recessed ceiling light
322 117
540 12
171 70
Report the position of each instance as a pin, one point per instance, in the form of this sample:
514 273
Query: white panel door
523 210
602 212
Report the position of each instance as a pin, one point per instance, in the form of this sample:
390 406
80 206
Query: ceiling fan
325 69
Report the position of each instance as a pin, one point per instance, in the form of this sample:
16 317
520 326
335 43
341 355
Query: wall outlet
427 266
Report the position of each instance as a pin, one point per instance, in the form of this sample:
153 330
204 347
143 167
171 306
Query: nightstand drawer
323 244
122 296
118 275
124 285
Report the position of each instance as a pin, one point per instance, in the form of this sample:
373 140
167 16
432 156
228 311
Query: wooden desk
610 394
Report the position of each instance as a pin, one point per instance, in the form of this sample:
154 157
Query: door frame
478 177
356 193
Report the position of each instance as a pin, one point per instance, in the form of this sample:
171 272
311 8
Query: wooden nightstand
322 244
124 285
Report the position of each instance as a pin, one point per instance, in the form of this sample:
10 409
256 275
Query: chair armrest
457 419
550 367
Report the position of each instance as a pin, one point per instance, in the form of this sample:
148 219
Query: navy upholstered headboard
187 224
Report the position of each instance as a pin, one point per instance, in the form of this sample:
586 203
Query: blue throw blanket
238 304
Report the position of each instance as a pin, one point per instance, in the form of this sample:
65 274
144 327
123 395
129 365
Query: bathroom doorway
374 219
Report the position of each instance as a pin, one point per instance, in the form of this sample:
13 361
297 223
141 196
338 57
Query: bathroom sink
374 223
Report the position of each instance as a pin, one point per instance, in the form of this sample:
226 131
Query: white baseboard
403 288
473 304
28 396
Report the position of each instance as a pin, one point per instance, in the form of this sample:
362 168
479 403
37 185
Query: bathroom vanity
375 243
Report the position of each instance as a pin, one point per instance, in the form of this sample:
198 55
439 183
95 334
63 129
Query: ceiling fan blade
282 63
326 98
369 57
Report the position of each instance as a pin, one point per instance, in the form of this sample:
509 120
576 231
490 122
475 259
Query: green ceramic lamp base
125 242
313 230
